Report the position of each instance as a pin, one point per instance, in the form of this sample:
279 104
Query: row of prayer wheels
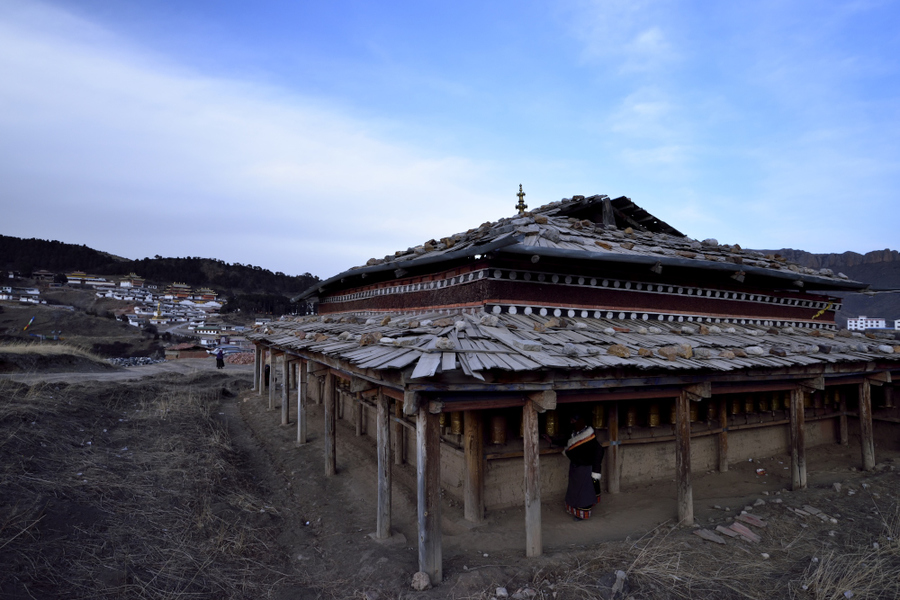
735 404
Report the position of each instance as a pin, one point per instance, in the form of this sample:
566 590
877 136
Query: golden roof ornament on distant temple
521 206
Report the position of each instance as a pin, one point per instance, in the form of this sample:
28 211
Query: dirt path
184 367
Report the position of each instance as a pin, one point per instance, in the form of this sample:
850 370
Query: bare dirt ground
174 481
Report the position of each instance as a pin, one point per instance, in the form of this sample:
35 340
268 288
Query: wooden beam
359 415
723 437
285 390
889 396
533 542
383 441
543 400
612 454
473 447
330 444
262 370
302 401
866 431
411 402
359 385
844 430
798 440
609 214
698 391
428 480
816 383
683 459
879 378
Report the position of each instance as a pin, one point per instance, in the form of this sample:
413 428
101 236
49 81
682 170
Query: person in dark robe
220 359
585 456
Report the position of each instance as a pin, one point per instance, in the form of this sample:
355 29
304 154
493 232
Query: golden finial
521 205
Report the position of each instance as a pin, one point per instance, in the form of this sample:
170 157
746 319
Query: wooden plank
302 401
723 437
866 431
383 441
473 448
426 366
612 453
273 379
448 361
531 439
359 415
683 459
330 414
798 440
708 535
256 362
544 400
428 488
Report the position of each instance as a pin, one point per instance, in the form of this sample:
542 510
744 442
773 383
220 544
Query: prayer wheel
807 400
631 416
443 419
498 430
776 400
817 399
653 417
456 423
673 414
828 397
787 400
551 423
712 410
735 406
599 414
763 403
748 404
694 411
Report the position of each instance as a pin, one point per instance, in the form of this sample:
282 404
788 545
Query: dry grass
127 492
48 349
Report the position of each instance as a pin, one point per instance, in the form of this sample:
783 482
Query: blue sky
309 137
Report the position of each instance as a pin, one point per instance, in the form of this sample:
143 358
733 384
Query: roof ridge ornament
521 206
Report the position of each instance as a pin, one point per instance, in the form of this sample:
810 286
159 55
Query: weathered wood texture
383 441
286 367
533 539
798 440
428 479
473 448
866 431
302 402
359 415
262 370
330 415
612 453
683 460
723 437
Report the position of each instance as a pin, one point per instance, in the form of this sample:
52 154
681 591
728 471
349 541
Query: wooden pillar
360 414
428 479
612 453
889 396
866 431
723 437
256 361
263 357
473 447
285 389
530 439
844 429
273 378
330 458
798 440
383 441
397 434
301 403
683 460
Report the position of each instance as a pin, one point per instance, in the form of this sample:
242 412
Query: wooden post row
330 444
533 540
285 389
866 430
683 460
798 440
473 448
302 402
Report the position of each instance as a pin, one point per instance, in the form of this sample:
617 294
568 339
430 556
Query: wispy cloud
103 142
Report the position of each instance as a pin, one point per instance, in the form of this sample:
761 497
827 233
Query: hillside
253 286
880 269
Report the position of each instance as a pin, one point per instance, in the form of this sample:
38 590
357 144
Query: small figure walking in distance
220 359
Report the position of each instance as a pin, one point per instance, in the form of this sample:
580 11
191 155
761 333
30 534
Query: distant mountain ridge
880 269
247 284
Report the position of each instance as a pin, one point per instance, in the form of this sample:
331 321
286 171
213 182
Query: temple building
457 354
